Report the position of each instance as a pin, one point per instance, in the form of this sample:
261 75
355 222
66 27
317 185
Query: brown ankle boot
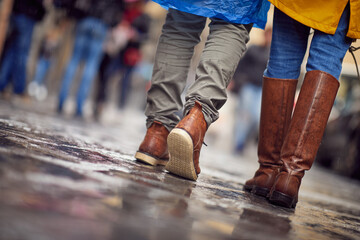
276 108
153 150
302 141
185 142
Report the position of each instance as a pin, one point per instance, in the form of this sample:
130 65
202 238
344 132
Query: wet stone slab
67 179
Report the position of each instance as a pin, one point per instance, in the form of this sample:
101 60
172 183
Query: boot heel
181 148
263 192
281 199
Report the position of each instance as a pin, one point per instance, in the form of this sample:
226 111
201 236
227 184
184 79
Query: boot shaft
309 120
276 109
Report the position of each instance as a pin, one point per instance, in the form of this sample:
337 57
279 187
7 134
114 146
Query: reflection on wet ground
65 179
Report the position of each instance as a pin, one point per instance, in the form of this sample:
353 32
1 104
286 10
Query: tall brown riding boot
185 142
276 108
153 150
302 141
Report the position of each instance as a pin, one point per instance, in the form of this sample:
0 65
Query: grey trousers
181 32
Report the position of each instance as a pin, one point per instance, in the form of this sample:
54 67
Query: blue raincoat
234 11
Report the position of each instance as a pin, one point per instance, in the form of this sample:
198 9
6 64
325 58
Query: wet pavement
62 178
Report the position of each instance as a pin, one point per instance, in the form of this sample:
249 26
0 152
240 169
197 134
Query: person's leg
25 27
41 70
311 112
180 34
327 51
7 63
247 112
100 95
255 108
288 47
94 53
225 45
78 49
125 85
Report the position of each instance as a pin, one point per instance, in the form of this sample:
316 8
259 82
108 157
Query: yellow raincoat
322 15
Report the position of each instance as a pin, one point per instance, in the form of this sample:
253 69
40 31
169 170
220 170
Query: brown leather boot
302 141
276 108
185 142
153 150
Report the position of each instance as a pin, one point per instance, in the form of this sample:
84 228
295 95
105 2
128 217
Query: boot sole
146 158
282 199
248 188
181 149
263 192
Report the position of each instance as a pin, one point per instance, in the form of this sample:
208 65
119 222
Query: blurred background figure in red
122 52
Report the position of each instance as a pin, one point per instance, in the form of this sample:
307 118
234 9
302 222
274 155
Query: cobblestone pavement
67 179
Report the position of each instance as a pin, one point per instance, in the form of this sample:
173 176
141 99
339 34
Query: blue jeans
289 44
42 68
247 115
15 57
90 35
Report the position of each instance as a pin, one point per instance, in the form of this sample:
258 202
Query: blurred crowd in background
80 58
71 49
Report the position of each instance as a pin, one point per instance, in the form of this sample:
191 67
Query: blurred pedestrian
49 47
26 13
288 145
225 44
93 20
247 85
122 51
